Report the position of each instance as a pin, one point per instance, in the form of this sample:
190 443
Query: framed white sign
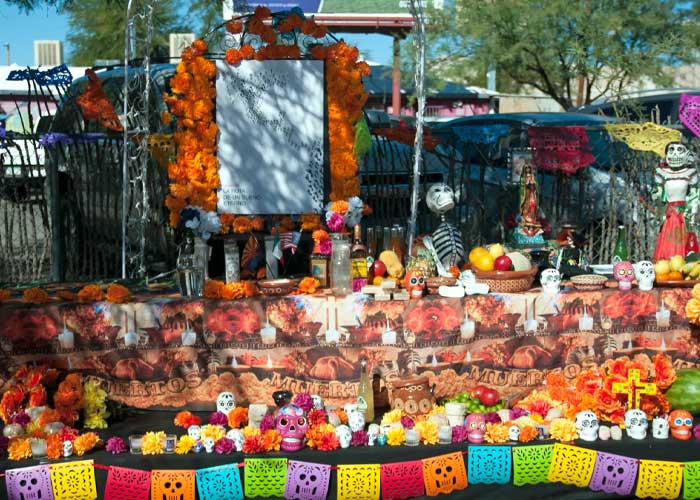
271 119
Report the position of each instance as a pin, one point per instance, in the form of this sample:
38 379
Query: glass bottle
365 393
341 279
358 255
386 240
378 242
371 242
621 252
395 243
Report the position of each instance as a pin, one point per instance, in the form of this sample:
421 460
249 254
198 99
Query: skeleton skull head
660 427
636 424
292 425
209 444
550 280
680 422
195 432
173 490
476 427
623 272
440 198
444 475
67 448
306 480
587 425
513 432
225 402
645 274
356 421
237 437
28 486
414 282
318 401
344 434
372 433
678 155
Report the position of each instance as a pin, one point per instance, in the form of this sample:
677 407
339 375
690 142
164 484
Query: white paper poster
270 116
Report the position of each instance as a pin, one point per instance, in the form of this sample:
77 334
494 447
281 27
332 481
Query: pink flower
224 446
116 445
696 431
459 434
21 418
304 401
267 423
325 247
492 417
218 418
407 422
336 223
359 438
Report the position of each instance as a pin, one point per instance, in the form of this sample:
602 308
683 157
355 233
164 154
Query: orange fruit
662 277
484 263
675 276
477 253
377 280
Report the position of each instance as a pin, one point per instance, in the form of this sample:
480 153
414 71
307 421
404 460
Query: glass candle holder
135 443
585 323
412 437
445 434
268 334
38 447
169 443
663 318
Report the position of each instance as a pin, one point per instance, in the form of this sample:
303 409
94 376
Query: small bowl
433 283
589 281
276 286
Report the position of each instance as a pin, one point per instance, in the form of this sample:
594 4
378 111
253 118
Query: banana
695 272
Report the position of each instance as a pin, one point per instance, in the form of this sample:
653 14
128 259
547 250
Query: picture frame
517 159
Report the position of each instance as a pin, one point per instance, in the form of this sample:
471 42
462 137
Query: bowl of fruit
503 272
481 399
678 271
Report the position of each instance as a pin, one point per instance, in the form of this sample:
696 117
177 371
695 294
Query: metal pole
128 28
7 54
58 251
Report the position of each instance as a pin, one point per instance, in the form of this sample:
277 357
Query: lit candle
268 333
332 333
66 339
435 361
269 362
530 323
130 337
467 328
388 335
469 357
412 437
663 344
585 322
445 434
189 337
234 363
663 317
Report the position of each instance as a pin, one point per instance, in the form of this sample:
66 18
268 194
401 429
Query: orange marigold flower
320 235
342 415
308 26
233 291
241 224
84 443
528 433
262 12
256 26
54 446
284 26
310 222
19 449
213 289
118 294
90 293
257 224
251 289
36 296
340 207
272 440
320 32
238 417
47 416
4 294
294 20
664 373
66 295
200 46
247 51
286 224
226 222
166 117
308 285
269 35
233 56
556 379
234 27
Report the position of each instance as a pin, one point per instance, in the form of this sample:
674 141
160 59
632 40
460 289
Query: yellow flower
153 443
436 410
428 431
391 417
248 431
496 433
562 429
85 442
215 432
95 407
19 449
184 445
396 436
537 418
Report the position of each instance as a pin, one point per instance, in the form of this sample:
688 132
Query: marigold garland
35 296
86 442
4 294
54 446
90 293
96 413
66 295
68 399
152 443
19 449
118 294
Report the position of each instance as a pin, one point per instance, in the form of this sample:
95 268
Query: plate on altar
676 283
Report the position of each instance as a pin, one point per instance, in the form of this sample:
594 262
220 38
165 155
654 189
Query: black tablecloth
671 449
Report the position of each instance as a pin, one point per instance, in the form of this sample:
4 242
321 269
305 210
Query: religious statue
529 230
676 178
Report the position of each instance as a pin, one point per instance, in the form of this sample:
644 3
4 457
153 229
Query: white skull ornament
636 424
587 425
645 274
225 402
344 434
550 281
318 401
237 437
514 433
209 444
372 434
67 448
195 432
356 421
678 155
660 427
440 199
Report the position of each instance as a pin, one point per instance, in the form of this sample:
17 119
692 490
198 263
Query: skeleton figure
550 281
660 427
587 425
209 444
645 274
446 238
514 433
344 434
225 402
372 434
237 437
67 448
636 424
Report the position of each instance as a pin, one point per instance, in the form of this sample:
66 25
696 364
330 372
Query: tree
573 52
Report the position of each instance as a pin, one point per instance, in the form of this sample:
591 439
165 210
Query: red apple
378 268
477 391
503 263
489 397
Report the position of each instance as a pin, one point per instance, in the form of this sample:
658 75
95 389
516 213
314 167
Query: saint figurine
675 178
529 224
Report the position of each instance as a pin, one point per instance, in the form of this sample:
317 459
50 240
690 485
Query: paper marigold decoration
152 443
4 294
184 445
95 104
35 296
19 449
118 294
90 293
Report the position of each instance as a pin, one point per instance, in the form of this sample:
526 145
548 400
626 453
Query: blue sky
20 30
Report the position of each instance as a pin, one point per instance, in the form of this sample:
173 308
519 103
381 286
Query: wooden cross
634 388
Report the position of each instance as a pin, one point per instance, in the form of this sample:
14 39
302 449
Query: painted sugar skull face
225 402
172 487
195 432
513 432
623 272
440 198
67 448
292 425
445 474
344 435
550 281
372 434
636 424
209 444
414 282
237 437
356 421
587 425
678 155
660 427
29 488
645 274
680 422
318 401
476 427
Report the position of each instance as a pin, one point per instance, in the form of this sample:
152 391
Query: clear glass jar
341 277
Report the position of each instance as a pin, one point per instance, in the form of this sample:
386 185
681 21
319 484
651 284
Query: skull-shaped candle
344 435
660 427
680 422
623 271
414 282
225 402
514 433
645 274
237 437
209 444
372 434
476 427
587 425
550 279
291 423
636 424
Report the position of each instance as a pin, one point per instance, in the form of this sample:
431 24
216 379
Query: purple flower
21 418
116 445
518 412
696 431
325 247
224 446
4 443
492 417
359 438
304 401
218 418
407 422
267 423
336 222
459 434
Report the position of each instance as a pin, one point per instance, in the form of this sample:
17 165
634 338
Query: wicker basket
507 281
589 281
434 283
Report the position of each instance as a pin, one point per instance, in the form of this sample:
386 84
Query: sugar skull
307 481
344 434
372 434
318 401
444 474
440 199
623 272
225 402
29 483
476 427
660 427
514 433
237 437
171 485
680 422
356 421
414 282
550 279
678 155
67 448
587 425
603 432
614 474
209 444
195 432
645 274
636 424
292 425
